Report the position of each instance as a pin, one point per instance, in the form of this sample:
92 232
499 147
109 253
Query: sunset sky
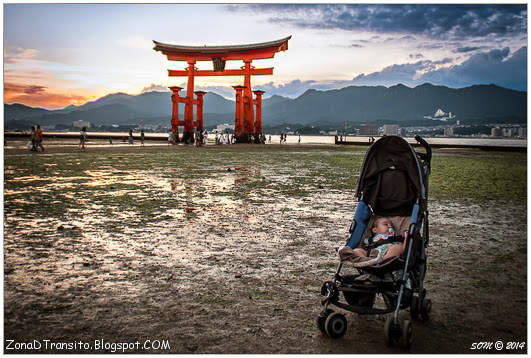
61 54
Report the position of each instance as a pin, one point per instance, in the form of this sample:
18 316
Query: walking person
82 138
270 138
130 139
142 137
33 148
38 138
299 139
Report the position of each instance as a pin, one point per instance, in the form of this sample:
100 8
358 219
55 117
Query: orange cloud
38 96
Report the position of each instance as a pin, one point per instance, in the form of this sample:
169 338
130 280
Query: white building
449 132
391 129
81 124
522 132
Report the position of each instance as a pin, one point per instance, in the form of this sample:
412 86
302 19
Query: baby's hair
376 220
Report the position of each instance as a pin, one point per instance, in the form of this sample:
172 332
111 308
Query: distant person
110 140
206 137
270 138
38 138
285 138
82 137
142 137
281 137
341 138
33 148
335 139
299 139
130 136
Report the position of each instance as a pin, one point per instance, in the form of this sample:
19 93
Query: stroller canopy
391 178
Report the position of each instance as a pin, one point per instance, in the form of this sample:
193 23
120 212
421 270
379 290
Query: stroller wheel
407 334
336 325
414 310
425 309
392 331
321 319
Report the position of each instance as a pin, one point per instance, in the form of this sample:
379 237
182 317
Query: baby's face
383 226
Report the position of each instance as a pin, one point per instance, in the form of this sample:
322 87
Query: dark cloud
391 75
429 46
496 66
26 89
443 61
436 21
468 49
356 45
416 56
297 87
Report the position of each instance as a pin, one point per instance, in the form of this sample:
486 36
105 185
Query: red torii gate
246 126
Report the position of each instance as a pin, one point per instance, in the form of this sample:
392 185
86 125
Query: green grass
140 181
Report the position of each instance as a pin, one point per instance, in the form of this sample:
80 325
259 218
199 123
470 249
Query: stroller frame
397 295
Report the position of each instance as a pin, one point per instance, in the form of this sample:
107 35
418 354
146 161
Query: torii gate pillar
258 119
238 114
199 113
188 135
175 100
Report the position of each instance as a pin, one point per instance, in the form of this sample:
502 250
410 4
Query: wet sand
224 250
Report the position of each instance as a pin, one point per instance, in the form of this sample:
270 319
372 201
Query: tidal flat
223 249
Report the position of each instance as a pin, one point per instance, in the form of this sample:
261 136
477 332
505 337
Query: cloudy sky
61 54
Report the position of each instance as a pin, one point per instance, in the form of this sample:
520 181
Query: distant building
449 132
80 124
508 132
368 129
224 127
522 132
391 129
496 132
332 132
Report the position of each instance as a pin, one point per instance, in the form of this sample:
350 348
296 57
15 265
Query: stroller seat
401 223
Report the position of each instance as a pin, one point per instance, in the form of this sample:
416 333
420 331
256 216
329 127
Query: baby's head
382 225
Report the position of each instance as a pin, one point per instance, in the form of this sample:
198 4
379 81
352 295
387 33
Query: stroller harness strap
389 240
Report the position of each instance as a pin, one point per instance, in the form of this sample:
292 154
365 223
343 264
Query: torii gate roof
232 52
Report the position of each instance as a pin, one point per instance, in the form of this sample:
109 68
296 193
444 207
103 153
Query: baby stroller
393 183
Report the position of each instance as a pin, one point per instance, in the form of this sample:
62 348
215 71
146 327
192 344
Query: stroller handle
425 145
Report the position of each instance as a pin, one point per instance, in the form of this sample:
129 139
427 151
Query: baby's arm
405 240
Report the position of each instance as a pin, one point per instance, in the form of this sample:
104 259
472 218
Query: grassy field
223 249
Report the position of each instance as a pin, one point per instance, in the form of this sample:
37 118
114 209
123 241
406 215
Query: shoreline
120 138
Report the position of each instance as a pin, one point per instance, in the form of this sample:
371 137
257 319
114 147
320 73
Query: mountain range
355 104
